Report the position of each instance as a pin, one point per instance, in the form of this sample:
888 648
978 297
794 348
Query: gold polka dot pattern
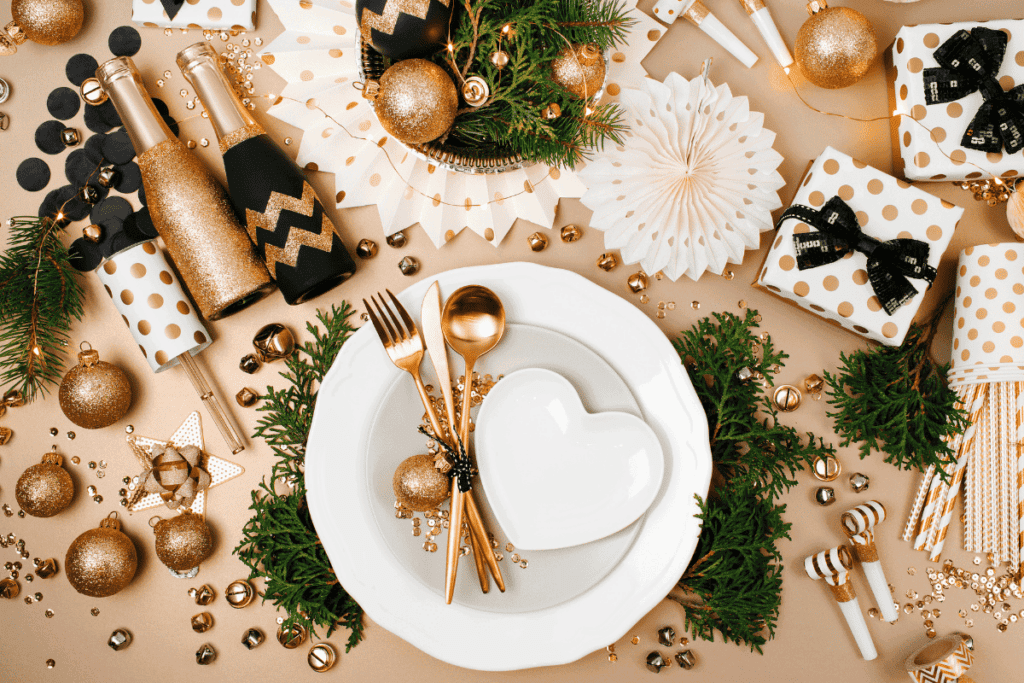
918 153
886 209
210 14
153 305
988 331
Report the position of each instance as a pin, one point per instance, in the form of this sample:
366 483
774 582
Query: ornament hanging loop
153 524
85 346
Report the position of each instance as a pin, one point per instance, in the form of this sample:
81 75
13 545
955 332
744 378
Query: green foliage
896 400
279 542
511 122
735 583
40 298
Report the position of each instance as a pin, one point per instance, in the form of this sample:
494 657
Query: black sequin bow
172 7
461 465
889 263
969 61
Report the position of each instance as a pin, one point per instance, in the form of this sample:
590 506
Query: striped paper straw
915 512
1020 476
957 478
1015 478
932 508
1007 463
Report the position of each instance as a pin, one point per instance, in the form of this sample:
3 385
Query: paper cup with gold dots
219 15
886 209
153 305
988 315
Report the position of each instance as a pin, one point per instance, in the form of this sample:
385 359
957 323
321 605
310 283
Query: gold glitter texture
45 489
94 393
417 101
835 47
419 485
183 542
190 210
571 71
101 562
385 21
237 137
297 238
48 22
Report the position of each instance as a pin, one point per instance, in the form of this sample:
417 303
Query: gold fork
404 347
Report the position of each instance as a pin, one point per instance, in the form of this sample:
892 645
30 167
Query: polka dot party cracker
886 209
931 151
153 304
239 15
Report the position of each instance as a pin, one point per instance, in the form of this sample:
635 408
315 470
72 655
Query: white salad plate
552 612
599 472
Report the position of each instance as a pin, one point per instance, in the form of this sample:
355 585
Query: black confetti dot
101 118
172 124
118 242
55 199
33 174
95 144
161 107
144 224
63 103
81 67
124 41
48 137
117 148
130 178
111 208
80 166
85 255
142 195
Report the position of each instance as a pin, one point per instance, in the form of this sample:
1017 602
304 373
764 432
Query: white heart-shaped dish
555 475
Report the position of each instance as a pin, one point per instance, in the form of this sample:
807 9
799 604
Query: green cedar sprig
279 542
734 583
40 298
896 400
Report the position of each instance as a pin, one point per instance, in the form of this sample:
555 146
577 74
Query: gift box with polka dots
218 15
926 137
886 209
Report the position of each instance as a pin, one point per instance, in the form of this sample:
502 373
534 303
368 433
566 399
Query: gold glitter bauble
94 393
48 22
835 47
101 562
577 70
419 485
183 542
417 101
45 489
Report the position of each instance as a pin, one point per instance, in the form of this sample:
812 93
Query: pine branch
279 542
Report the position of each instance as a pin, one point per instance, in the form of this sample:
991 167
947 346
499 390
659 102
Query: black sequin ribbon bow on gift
172 7
969 61
890 263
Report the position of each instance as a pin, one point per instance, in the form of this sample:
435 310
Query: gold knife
437 349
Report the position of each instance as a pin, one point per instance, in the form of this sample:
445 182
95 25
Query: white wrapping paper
239 15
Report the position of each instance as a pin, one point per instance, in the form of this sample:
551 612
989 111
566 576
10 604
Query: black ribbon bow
172 7
462 469
889 263
969 61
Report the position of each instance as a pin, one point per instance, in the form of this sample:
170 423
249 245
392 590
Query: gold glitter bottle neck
231 122
123 84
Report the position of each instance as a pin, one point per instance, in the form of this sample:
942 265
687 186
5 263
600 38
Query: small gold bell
239 593
499 58
826 468
119 640
93 233
5 435
70 137
88 194
655 662
825 496
408 265
205 654
202 622
247 398
859 482
786 398
203 595
293 636
321 657
92 92
552 111
637 282
571 233
252 638
9 588
249 363
537 241
607 262
397 240
686 659
273 342
814 385
366 249
107 176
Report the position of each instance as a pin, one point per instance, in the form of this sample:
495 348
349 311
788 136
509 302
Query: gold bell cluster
272 343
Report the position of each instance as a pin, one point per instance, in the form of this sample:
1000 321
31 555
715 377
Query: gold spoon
473 323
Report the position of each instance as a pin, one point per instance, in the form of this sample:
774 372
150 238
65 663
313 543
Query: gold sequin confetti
742 303
695 305
635 640
911 571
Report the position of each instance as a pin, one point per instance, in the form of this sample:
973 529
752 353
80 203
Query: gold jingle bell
826 468
273 342
607 262
396 240
366 249
537 241
247 398
70 137
108 176
205 654
571 233
203 595
93 233
239 593
825 496
786 398
859 482
321 657
551 112
637 282
499 58
293 636
5 435
686 659
252 638
814 384
92 92
9 588
46 568
119 640
409 266
202 622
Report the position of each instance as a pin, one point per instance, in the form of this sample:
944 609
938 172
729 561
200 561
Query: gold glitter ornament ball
835 47
94 393
46 489
183 542
579 69
419 485
417 101
101 562
48 22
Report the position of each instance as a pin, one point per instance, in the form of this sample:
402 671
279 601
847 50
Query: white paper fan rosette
318 56
695 183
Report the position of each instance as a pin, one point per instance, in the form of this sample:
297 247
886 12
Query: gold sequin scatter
417 101
49 22
635 640
216 260
835 47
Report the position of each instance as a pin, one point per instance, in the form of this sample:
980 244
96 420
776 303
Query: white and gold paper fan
695 183
318 56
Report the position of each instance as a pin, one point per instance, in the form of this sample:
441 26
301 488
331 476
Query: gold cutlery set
472 322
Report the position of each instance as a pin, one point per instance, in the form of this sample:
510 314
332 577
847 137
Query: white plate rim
566 632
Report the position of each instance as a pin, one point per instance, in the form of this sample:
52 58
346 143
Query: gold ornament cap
816 6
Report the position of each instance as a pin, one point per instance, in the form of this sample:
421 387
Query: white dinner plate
341 456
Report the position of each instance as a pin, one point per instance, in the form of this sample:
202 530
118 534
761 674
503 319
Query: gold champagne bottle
189 208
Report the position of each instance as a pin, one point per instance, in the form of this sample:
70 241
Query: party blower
700 16
762 18
163 321
859 524
834 566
